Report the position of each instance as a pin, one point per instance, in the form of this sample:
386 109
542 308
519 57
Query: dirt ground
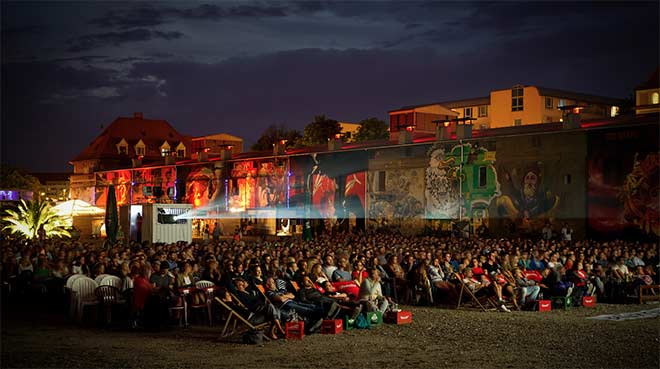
438 338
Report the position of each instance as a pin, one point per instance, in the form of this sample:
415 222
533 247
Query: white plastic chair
204 284
72 295
111 280
100 277
84 295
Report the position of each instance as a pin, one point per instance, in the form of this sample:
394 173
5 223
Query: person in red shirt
142 288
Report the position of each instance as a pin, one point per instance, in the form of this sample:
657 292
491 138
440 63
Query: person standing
216 232
566 232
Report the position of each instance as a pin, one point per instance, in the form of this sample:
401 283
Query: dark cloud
139 16
93 41
413 25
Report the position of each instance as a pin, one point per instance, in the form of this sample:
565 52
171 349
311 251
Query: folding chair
233 318
465 289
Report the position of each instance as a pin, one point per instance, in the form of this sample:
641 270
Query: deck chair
466 292
233 318
83 289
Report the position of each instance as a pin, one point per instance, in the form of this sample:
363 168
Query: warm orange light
410 128
207 149
446 124
338 136
282 142
577 110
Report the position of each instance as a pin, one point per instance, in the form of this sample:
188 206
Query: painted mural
401 204
526 200
460 182
243 185
271 185
122 181
624 174
153 185
202 187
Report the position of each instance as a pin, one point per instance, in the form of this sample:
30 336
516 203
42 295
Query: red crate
545 305
295 330
399 317
332 326
589 301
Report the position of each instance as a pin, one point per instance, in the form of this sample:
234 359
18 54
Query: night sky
237 67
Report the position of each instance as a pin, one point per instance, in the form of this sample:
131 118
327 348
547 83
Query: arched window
655 98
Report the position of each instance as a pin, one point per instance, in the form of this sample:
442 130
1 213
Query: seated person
253 308
483 287
529 291
371 294
336 304
285 301
161 277
341 274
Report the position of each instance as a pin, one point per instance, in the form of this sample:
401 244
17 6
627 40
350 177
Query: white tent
73 208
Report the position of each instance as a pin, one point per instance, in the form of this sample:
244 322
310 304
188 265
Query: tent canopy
77 207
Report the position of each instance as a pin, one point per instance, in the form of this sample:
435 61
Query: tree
371 129
32 215
12 178
275 133
318 132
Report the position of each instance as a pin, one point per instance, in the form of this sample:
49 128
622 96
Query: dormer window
139 148
181 150
122 147
165 149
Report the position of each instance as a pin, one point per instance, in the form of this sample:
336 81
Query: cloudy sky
237 67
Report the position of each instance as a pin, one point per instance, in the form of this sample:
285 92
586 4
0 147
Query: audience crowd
340 275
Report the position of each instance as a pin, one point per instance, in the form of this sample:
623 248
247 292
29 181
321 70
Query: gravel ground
438 338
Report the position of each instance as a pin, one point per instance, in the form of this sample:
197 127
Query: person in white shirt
566 232
371 293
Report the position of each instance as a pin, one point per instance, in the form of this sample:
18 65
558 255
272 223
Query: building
647 95
595 172
516 106
216 144
53 186
349 130
127 142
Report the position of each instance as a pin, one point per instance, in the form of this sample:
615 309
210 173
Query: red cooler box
295 330
332 326
545 305
399 317
589 301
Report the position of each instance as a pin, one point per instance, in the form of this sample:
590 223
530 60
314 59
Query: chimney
571 117
463 131
335 143
279 147
137 162
442 131
138 115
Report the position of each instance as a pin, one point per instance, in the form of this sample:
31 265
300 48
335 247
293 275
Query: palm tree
30 216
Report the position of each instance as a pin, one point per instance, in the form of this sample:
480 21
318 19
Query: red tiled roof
152 132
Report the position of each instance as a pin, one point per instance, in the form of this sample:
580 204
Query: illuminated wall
623 183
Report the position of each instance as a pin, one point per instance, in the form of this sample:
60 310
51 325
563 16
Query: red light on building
410 128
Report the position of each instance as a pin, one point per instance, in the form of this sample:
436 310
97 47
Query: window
614 111
123 149
517 98
483 111
548 103
517 122
380 184
164 152
467 113
181 153
655 98
567 179
482 177
561 103
139 150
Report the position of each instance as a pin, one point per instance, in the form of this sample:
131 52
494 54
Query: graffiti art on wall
624 173
399 200
639 194
460 183
525 200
